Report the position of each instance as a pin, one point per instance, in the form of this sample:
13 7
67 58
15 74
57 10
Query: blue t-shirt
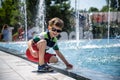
5 33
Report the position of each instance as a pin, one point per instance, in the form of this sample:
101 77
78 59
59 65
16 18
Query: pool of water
97 55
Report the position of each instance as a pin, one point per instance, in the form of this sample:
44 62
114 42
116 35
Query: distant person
21 33
31 32
15 36
38 46
5 32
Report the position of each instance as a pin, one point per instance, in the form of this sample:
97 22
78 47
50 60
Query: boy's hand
34 53
69 66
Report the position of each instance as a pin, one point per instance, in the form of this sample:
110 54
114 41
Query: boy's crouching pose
38 46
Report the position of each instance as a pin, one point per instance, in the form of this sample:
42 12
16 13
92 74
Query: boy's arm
32 51
68 65
30 42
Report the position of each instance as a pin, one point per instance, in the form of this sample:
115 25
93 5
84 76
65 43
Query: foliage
93 9
9 13
105 9
31 11
61 9
114 26
114 4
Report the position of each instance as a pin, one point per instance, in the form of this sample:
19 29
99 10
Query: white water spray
77 23
40 20
109 21
24 12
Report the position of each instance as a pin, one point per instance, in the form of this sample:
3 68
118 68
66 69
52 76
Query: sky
86 4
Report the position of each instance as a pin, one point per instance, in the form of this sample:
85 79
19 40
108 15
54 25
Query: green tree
31 11
114 4
93 9
61 9
105 9
10 13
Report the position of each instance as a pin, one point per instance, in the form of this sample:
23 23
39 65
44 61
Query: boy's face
55 31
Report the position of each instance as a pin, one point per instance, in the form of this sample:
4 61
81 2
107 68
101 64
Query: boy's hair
57 22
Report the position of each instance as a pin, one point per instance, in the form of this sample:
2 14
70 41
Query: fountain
0 4
40 18
77 27
109 20
93 59
23 12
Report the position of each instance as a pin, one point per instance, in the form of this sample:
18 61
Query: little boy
38 46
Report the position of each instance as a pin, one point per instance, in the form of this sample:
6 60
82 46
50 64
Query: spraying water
109 20
77 22
77 28
0 4
24 12
40 18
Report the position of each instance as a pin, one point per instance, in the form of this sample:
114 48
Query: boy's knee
53 59
41 42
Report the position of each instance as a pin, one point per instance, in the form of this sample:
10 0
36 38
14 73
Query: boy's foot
44 68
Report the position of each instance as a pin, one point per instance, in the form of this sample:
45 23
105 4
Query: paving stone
16 68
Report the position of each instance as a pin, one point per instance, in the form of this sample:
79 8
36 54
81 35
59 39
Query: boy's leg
42 66
41 45
53 59
48 58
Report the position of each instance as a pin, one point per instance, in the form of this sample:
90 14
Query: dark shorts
47 55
